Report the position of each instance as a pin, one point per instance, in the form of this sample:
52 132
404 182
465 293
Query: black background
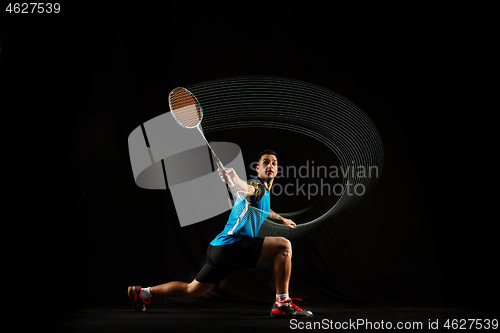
75 84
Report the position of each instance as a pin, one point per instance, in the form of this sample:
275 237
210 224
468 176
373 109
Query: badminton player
238 247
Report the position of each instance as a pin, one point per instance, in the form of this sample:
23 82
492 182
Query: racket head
185 107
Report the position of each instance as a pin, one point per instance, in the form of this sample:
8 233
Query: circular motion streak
278 103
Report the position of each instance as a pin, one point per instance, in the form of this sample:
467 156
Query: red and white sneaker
139 303
290 310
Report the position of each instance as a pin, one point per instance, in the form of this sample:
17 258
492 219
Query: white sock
281 298
145 293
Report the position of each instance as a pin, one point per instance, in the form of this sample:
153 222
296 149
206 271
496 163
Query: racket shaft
219 163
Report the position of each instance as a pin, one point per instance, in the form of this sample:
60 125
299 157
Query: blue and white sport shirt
247 216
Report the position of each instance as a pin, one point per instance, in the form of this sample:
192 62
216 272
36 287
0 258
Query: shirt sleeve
260 190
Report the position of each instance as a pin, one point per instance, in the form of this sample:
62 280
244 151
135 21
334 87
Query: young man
238 247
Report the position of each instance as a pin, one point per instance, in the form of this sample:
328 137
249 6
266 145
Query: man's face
268 167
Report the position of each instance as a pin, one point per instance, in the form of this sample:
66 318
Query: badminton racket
188 113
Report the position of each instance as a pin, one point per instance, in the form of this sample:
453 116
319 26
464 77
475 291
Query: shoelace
296 307
146 300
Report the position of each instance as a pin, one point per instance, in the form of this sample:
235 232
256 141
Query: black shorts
223 259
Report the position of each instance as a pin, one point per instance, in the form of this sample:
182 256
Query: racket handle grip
219 164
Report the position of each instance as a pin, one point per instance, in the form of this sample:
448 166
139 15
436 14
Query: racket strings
185 108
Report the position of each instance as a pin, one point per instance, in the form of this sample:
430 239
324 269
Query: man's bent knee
286 246
274 246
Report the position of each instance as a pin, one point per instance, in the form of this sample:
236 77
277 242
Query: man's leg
175 288
281 249
141 296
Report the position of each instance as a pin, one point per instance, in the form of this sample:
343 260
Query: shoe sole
274 315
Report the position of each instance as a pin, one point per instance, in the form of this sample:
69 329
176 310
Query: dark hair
267 152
